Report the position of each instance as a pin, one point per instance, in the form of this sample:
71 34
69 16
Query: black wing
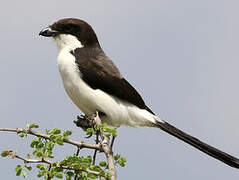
99 72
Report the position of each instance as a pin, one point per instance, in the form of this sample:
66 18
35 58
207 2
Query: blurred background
182 57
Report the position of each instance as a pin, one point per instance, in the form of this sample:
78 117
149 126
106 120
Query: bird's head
71 31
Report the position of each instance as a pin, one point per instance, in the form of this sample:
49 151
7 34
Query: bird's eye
70 27
67 27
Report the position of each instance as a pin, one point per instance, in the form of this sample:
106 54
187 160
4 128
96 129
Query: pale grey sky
182 56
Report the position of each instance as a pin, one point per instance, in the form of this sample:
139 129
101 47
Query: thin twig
45 136
97 142
112 143
77 154
78 151
49 178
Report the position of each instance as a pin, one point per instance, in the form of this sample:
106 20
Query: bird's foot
85 122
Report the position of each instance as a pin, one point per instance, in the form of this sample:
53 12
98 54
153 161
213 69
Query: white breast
91 100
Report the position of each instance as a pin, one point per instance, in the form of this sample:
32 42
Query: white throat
67 41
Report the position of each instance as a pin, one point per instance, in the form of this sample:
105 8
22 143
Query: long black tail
211 151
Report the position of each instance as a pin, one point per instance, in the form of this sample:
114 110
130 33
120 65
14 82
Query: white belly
91 100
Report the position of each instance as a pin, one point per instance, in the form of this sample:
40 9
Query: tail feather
211 151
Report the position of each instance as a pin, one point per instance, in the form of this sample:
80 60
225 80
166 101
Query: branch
97 142
104 145
107 149
43 160
45 136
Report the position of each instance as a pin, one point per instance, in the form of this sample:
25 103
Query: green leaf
68 177
29 168
88 159
103 163
38 153
58 169
53 137
59 141
49 154
58 175
18 170
5 153
57 131
50 145
114 132
33 126
89 131
41 167
108 175
91 176
95 168
67 133
65 138
54 131
123 159
35 142
24 174
102 173
24 131
40 174
117 156
70 173
21 135
40 145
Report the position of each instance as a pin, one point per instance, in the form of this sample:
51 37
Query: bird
95 84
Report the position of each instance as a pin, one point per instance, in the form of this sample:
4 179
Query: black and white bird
94 83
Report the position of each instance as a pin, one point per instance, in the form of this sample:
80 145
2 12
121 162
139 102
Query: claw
85 121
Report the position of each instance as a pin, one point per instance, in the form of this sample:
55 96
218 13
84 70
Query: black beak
48 32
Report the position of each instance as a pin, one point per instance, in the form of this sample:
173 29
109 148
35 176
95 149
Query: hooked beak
48 32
